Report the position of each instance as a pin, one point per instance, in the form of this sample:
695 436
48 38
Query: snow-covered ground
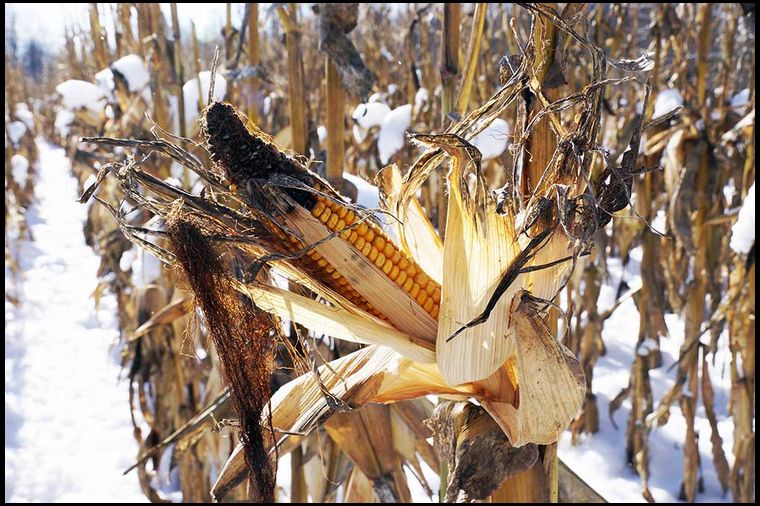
600 458
68 435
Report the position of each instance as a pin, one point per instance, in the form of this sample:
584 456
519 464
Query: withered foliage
241 333
587 172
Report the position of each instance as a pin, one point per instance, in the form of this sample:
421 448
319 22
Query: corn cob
370 240
250 160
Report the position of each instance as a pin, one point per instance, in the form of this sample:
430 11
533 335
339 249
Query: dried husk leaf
372 374
550 382
164 316
477 250
415 232
336 321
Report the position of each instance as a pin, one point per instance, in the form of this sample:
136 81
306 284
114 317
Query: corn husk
415 232
336 321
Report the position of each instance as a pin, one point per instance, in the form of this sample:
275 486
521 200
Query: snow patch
741 99
743 231
63 119
666 101
68 434
190 93
16 130
25 115
134 72
492 141
391 138
104 78
370 114
77 94
20 169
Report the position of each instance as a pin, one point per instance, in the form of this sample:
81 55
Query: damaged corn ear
275 185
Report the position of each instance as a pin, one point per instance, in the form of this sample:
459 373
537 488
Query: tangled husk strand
241 334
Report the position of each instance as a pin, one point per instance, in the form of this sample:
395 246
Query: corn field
380 252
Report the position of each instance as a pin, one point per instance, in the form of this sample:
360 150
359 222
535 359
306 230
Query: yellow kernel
359 243
318 209
421 278
322 262
372 254
362 229
408 284
434 311
335 275
394 272
415 290
430 287
353 237
340 225
387 266
342 281
329 269
370 235
346 233
422 297
403 263
401 278
380 260
389 249
367 249
341 211
350 217
437 293
411 270
332 221
325 216
428 305
379 243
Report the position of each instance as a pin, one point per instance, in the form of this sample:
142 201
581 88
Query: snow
741 99
359 134
134 72
368 195
391 137
322 133
370 114
421 99
19 169
659 223
77 94
68 435
492 141
104 78
190 93
16 130
25 115
63 119
743 231
646 347
599 459
666 101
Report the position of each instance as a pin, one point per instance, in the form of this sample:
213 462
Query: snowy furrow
68 435
600 458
